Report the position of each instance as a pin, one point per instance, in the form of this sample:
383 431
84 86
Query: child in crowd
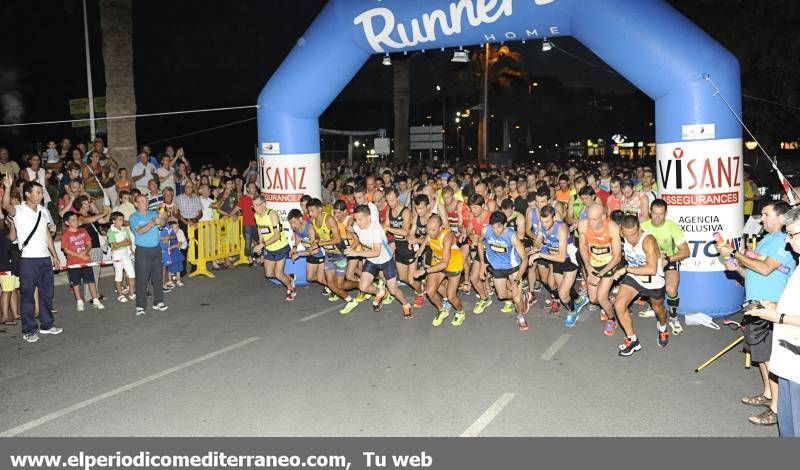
171 256
120 238
75 243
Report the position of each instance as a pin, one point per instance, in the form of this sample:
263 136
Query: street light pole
92 128
485 115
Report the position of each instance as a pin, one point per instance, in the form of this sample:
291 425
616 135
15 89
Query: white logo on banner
702 184
270 148
698 131
422 30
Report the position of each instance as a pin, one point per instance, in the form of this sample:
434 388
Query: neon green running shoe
508 306
333 298
349 307
388 299
459 318
361 297
440 316
481 306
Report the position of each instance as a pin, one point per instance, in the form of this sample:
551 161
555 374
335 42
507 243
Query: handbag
15 251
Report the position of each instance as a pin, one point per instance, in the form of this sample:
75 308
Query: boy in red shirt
75 243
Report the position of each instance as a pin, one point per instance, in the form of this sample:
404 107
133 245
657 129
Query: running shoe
333 298
571 319
521 322
440 316
548 302
675 325
161 307
348 307
53 330
140 311
508 306
419 300
537 286
582 302
611 327
377 302
555 306
361 297
629 347
603 315
446 304
663 339
481 306
458 318
31 337
647 313
326 292
97 304
408 312
290 295
388 299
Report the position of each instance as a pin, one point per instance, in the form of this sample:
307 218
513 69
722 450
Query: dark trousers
33 273
147 266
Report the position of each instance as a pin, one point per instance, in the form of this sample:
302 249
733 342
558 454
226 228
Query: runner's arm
682 254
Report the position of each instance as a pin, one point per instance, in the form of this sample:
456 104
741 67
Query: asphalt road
231 358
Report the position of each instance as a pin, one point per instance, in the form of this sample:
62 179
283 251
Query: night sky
202 54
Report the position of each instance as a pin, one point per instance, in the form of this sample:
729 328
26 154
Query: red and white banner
286 178
702 183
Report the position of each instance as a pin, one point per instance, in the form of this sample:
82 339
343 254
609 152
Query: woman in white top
35 172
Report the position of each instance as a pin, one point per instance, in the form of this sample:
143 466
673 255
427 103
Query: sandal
767 418
10 322
465 287
757 400
122 299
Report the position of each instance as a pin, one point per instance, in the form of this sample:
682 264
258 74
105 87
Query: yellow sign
80 107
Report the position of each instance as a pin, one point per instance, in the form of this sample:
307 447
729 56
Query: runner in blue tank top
504 252
557 265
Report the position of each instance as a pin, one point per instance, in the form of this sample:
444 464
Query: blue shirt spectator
148 239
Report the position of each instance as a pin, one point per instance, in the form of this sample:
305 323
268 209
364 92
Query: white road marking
553 349
111 393
491 413
323 312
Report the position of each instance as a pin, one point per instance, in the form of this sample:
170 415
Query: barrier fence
214 240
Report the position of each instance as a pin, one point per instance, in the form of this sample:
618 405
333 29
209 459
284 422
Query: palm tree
402 97
116 21
504 69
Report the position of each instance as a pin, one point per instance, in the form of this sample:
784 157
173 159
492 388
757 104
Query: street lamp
356 144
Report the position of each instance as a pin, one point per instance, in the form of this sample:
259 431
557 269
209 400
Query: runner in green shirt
674 249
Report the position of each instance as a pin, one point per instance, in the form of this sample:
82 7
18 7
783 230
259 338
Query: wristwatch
780 319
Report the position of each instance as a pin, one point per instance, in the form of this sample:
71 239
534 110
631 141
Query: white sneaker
132 296
30 337
54 330
161 306
648 313
79 305
97 304
140 311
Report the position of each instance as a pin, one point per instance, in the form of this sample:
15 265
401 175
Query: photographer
785 360
765 278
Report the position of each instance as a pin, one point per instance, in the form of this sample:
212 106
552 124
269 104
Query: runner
503 251
398 225
479 219
540 199
422 212
274 245
454 211
634 202
445 268
306 236
600 246
332 239
372 245
644 275
557 262
516 222
674 249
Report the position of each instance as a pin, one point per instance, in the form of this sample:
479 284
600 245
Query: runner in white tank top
644 275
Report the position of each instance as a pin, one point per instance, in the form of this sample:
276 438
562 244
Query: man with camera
765 272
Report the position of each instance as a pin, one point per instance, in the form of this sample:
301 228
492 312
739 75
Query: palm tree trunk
400 67
116 21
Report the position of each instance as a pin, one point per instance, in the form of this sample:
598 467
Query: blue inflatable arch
648 42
